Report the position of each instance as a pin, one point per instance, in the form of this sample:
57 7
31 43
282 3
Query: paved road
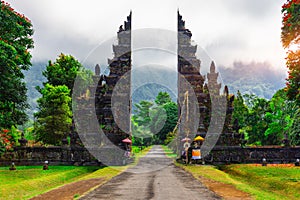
155 177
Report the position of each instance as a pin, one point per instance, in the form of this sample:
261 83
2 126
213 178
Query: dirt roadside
69 191
226 191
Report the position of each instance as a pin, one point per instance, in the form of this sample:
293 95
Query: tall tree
162 98
154 122
290 37
141 120
141 136
63 71
171 110
256 121
240 111
15 41
294 131
58 88
266 122
290 20
54 117
278 118
163 117
142 116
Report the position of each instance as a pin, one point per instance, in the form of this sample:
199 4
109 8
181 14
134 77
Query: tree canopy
152 122
240 110
163 98
54 117
290 21
267 122
290 36
142 118
15 41
63 71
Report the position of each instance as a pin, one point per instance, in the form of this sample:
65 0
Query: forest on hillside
259 79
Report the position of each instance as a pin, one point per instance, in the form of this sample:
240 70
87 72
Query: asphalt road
154 177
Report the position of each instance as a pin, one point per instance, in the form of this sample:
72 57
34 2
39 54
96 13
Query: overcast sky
228 30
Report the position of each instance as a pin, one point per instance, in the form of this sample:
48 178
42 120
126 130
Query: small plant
102 126
5 141
76 196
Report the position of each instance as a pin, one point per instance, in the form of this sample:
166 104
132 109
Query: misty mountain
253 78
34 78
147 81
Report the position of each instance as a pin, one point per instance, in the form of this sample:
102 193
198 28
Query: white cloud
229 30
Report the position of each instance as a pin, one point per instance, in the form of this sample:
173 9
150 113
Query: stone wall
231 154
54 155
80 156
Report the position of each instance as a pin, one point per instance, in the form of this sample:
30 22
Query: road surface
154 177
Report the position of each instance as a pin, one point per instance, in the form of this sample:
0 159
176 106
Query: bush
6 142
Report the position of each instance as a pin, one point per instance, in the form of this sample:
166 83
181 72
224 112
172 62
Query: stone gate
229 148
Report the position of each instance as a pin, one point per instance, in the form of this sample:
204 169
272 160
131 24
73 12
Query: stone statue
97 70
121 28
226 91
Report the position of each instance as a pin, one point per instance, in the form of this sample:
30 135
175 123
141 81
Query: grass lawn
169 153
276 181
29 181
137 149
272 182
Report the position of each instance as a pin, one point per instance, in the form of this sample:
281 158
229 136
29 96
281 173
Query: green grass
169 152
276 182
140 154
29 181
270 182
137 149
279 181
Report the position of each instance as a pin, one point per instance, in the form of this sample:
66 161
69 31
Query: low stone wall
54 155
80 156
236 154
